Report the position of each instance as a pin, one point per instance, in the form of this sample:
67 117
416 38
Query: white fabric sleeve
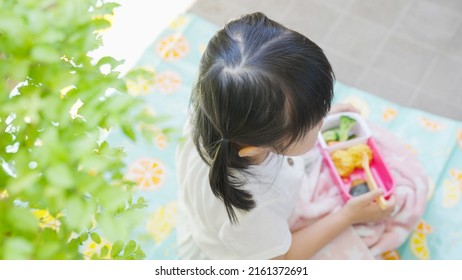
262 233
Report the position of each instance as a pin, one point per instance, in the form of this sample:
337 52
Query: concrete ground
406 51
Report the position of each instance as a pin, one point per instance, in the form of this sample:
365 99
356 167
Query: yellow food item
347 160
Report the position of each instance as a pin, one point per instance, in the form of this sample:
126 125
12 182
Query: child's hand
363 209
343 107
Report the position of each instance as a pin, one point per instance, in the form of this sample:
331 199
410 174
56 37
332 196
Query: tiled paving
406 51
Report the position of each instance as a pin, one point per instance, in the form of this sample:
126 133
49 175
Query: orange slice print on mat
391 255
173 47
423 227
168 82
147 173
419 246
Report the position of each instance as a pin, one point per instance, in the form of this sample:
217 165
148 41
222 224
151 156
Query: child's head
259 85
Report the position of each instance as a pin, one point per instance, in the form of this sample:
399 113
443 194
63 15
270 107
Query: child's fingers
368 197
391 204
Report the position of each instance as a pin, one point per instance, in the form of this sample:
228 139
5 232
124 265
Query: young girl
260 99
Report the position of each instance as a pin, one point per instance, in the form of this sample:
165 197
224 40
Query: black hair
259 84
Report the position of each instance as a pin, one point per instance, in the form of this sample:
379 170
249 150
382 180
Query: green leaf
113 198
104 251
23 182
139 254
109 227
117 248
11 24
45 54
47 43
52 36
95 237
48 250
83 236
109 61
60 176
130 248
19 69
128 130
79 213
22 220
17 248
100 23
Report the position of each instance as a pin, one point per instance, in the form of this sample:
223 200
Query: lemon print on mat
147 173
161 141
452 189
457 174
424 228
411 149
451 193
419 246
179 22
173 47
430 124
389 114
391 255
162 221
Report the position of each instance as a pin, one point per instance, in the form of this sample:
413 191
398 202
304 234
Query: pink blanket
366 241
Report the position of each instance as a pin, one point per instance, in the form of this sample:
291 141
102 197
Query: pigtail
259 84
225 185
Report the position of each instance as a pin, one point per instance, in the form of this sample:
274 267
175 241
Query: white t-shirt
203 228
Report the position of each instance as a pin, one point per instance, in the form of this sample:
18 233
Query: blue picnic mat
173 59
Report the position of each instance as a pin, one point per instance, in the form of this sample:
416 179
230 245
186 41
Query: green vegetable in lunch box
342 133
330 135
346 124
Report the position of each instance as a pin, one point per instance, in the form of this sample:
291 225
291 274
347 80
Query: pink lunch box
379 169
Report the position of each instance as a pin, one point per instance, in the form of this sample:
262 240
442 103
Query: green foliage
61 186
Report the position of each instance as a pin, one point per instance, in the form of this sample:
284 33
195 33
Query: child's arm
307 241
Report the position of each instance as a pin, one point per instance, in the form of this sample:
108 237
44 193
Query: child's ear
251 151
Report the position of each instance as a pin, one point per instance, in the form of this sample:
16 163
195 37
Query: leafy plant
61 182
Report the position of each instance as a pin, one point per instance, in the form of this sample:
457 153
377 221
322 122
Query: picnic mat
173 59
